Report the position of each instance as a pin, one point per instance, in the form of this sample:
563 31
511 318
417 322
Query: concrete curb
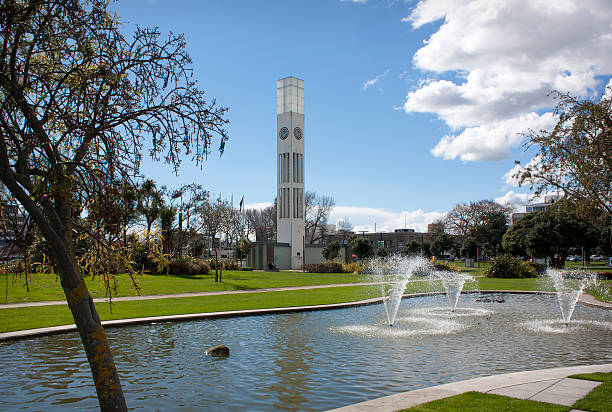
484 384
54 330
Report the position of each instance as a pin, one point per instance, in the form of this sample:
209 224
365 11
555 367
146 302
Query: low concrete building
276 255
392 242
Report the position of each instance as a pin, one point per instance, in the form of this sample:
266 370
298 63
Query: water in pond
309 360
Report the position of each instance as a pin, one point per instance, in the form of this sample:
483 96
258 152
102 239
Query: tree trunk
84 313
101 362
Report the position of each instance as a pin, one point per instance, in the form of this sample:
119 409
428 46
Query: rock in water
219 351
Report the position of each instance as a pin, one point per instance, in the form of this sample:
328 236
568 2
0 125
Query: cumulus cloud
507 55
371 82
509 178
490 141
363 218
518 200
514 199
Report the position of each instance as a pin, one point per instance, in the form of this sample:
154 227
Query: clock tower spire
290 166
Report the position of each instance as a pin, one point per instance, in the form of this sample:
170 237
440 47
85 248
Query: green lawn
47 287
481 402
600 398
594 266
44 316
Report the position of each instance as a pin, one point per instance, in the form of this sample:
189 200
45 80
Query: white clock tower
290 166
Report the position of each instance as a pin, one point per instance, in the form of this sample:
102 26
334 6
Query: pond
309 360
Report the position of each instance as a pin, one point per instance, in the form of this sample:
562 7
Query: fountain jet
453 283
569 286
394 273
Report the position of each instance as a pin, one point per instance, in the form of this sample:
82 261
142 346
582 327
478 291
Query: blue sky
410 107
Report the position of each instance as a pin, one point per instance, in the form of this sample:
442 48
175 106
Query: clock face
283 133
297 132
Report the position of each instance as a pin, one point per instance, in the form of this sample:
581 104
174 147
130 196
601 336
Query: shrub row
223 263
441 265
507 266
186 265
325 267
353 267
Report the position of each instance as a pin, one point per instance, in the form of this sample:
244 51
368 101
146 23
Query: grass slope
37 317
477 401
600 398
45 287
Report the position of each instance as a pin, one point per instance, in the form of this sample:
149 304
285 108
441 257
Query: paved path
545 385
185 295
584 298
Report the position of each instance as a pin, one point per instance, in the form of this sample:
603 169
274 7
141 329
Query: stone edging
54 330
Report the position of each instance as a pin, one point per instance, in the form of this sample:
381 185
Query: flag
242 203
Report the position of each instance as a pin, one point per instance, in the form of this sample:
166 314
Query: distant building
392 242
435 228
535 207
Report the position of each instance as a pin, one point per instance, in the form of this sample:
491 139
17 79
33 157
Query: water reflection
307 361
293 353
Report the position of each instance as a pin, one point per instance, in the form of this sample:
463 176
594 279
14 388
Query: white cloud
518 200
355 1
509 178
258 206
515 199
608 91
364 218
507 55
371 82
490 141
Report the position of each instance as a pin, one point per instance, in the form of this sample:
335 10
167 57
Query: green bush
508 266
325 267
357 268
186 265
223 264
539 267
441 265
202 267
247 269
181 266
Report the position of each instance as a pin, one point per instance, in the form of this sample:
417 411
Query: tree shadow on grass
235 286
199 276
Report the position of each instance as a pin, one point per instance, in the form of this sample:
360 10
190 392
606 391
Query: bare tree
344 224
77 100
463 217
232 226
213 215
317 209
262 222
